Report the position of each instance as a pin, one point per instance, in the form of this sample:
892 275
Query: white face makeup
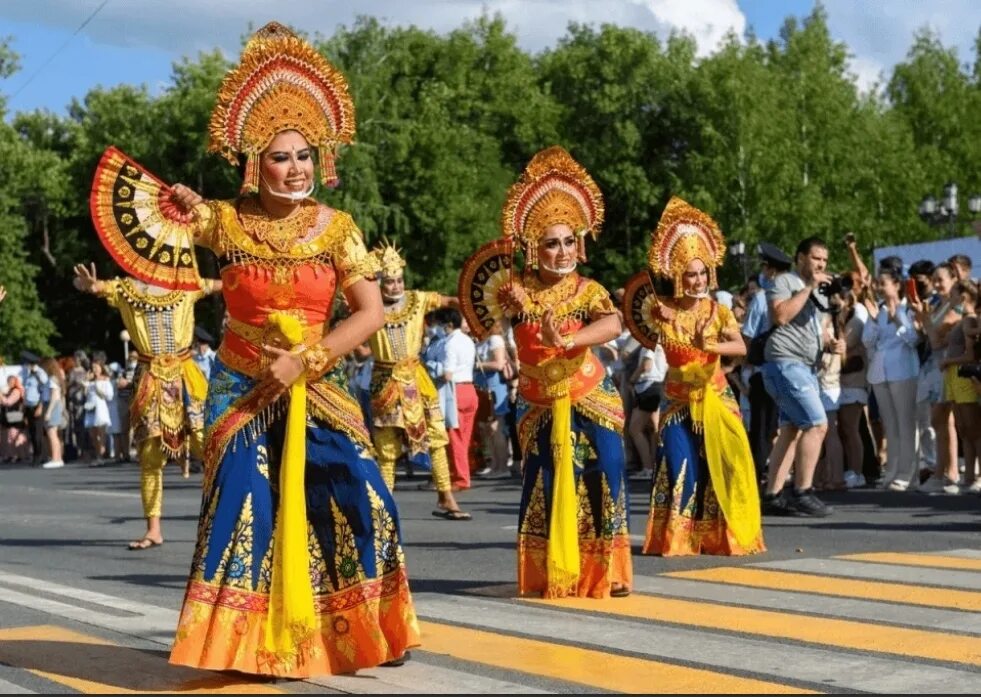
694 282
287 167
557 250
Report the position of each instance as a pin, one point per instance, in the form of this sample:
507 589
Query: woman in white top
854 389
937 321
493 405
648 384
98 392
890 338
55 413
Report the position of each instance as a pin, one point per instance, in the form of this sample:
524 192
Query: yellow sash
291 615
727 451
563 533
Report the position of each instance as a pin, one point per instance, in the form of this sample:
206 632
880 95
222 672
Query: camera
969 370
836 286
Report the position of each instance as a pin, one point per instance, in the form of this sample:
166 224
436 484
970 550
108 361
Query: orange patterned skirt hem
670 534
602 563
223 628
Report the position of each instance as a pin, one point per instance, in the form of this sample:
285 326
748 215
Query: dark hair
948 267
451 315
961 260
922 267
895 275
806 245
892 262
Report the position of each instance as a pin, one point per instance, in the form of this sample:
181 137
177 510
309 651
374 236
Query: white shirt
461 353
891 347
658 371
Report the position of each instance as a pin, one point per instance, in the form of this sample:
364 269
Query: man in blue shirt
763 411
204 354
36 395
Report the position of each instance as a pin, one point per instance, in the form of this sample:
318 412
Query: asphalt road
68 585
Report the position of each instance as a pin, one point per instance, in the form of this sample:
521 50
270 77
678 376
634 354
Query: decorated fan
638 309
483 277
148 236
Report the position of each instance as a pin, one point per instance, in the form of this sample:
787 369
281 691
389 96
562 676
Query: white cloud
185 27
879 34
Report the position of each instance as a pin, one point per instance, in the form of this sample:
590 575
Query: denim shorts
794 387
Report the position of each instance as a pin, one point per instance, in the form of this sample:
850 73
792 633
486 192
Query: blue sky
137 41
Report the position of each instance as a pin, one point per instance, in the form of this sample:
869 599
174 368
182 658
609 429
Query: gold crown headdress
553 189
684 234
281 83
389 259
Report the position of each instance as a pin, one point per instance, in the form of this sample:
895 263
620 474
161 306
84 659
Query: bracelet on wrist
315 360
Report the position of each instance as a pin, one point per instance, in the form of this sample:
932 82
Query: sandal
144 543
619 592
453 515
396 662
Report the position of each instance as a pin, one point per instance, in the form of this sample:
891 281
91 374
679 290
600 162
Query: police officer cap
202 335
773 255
29 357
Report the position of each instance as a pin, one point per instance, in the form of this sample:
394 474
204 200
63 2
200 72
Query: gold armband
316 359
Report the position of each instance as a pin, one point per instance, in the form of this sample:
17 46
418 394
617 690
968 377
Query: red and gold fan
639 301
483 278
149 237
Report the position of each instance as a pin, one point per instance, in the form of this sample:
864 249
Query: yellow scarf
563 533
730 461
291 616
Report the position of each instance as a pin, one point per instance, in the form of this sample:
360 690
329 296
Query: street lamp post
737 250
947 209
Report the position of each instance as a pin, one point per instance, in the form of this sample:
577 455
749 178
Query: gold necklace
542 298
282 233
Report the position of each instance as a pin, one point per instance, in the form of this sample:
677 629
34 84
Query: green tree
28 176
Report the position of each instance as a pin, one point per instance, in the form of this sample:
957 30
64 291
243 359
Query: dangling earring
328 170
250 182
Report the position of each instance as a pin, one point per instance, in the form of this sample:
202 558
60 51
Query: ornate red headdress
281 83
684 234
553 189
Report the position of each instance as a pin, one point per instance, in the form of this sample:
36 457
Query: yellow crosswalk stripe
597 669
951 598
849 634
92 665
938 561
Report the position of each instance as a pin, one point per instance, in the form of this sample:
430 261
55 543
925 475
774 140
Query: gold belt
403 369
554 370
165 366
270 336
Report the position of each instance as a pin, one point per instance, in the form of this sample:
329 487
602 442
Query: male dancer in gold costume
405 409
167 408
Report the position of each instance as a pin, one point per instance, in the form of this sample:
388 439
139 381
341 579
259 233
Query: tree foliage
775 140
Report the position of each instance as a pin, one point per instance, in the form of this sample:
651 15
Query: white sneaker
854 479
52 464
933 485
975 487
951 487
898 485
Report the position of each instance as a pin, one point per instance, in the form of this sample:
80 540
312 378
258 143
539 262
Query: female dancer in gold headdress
704 498
572 525
298 569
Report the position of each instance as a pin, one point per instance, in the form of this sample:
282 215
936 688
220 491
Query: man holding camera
793 355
